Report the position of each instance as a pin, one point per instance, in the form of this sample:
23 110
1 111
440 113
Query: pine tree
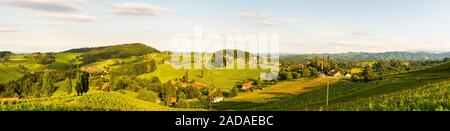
224 58
202 73
81 83
186 76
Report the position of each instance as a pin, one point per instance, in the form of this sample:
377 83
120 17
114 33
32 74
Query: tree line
43 84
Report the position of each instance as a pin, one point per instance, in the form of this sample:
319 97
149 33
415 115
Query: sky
304 26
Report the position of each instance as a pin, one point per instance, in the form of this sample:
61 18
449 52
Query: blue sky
304 26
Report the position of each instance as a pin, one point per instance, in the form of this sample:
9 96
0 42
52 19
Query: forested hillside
118 51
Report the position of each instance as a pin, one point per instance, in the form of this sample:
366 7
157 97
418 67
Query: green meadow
425 88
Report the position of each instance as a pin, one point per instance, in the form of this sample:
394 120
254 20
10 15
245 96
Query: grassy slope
345 95
66 57
11 71
223 78
93 100
8 73
287 88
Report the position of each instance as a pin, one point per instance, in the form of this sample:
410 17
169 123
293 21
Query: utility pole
328 90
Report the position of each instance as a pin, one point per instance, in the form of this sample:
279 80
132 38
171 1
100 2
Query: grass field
8 73
10 69
287 88
66 57
222 78
426 89
395 91
93 100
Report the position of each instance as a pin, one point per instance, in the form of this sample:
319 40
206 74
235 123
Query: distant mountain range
364 56
351 56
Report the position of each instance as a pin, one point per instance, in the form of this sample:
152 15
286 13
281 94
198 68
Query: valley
135 77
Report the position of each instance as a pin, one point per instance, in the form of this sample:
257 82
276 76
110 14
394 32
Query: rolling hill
116 51
426 89
222 78
93 101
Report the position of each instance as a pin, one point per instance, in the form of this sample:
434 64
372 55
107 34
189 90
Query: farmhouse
217 99
199 85
173 99
334 73
247 86
167 62
348 74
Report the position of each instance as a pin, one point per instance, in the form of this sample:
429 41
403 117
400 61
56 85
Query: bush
305 72
192 92
314 72
81 83
234 92
67 87
48 85
136 68
296 75
46 58
182 104
121 91
289 76
147 95
181 96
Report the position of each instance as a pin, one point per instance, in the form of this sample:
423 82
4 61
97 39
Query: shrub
234 91
147 95
182 104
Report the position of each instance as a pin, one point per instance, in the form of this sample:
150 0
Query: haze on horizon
304 26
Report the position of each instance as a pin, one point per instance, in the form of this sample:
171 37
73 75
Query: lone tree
48 84
234 91
4 56
368 74
81 83
202 73
68 86
186 76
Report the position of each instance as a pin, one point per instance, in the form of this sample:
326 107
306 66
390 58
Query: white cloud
253 15
261 19
351 45
268 23
7 31
248 14
8 28
46 5
100 8
360 34
73 17
138 9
